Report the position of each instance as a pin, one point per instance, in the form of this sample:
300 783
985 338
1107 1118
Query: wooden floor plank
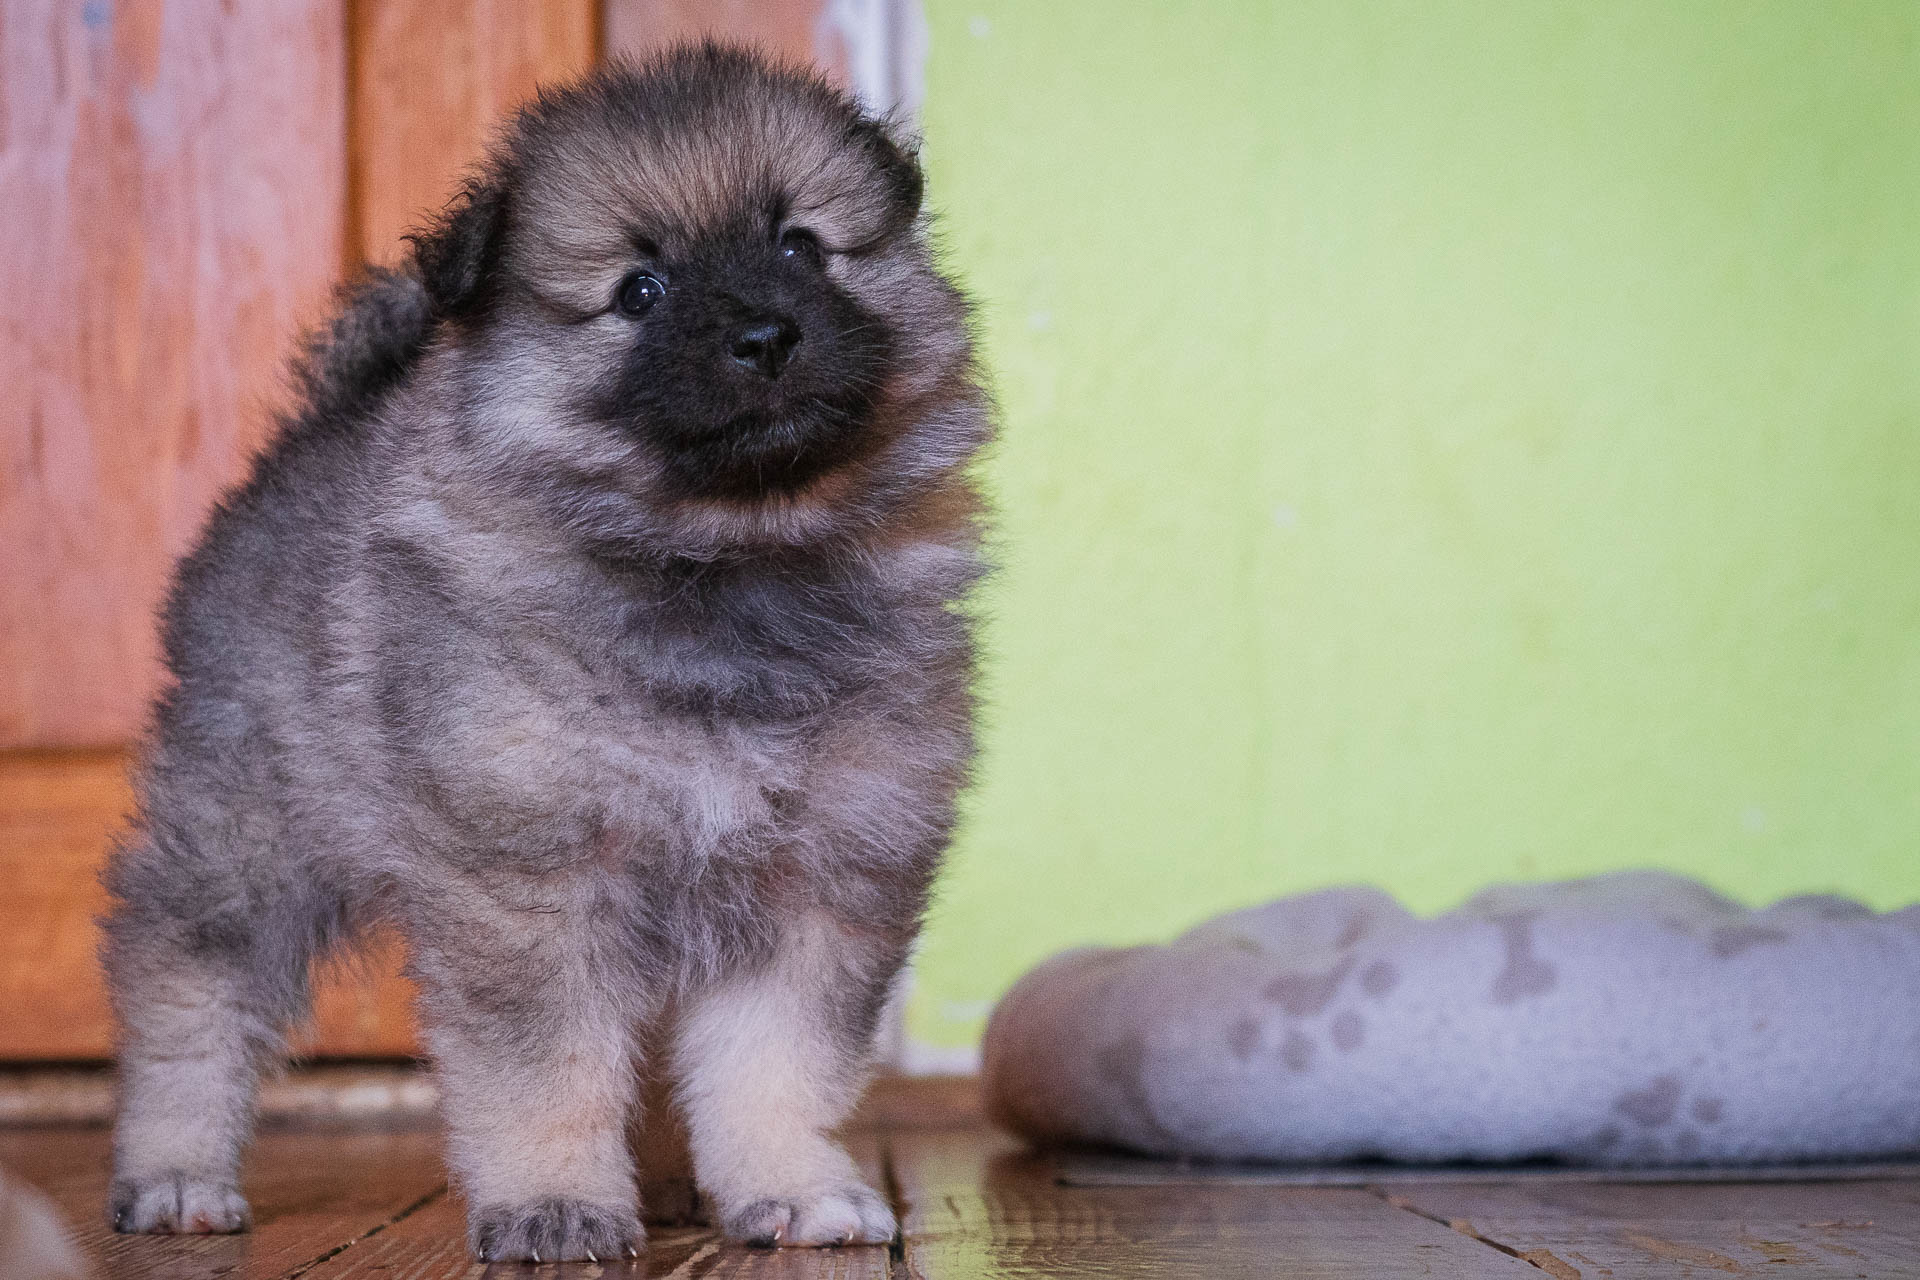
1627 1232
311 1194
430 1244
335 1203
977 1205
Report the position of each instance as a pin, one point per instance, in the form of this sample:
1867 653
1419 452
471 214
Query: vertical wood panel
363 1008
172 181
58 812
432 80
796 28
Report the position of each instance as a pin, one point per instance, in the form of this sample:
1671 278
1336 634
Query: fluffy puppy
594 623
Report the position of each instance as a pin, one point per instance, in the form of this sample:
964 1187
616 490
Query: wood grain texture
432 80
59 811
173 179
1820 1230
430 1245
792 28
979 1205
363 1008
896 1103
358 1204
311 1195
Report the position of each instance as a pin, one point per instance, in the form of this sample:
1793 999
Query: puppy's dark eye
801 246
637 294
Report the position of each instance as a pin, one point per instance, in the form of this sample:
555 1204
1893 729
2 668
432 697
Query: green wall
1443 443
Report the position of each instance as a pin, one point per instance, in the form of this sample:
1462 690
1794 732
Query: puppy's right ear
459 256
896 154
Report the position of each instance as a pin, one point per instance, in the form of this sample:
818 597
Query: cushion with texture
1630 1019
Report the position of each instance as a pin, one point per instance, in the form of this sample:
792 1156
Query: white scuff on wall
886 47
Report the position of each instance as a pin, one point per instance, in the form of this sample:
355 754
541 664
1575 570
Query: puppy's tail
380 324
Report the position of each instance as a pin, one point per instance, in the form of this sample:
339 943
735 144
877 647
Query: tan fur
762 1085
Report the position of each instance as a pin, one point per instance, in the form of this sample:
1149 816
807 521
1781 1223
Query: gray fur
618 756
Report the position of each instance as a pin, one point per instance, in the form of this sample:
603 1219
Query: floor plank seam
897 1268
1460 1226
368 1234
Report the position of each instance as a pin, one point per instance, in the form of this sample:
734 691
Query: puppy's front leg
534 1052
766 1064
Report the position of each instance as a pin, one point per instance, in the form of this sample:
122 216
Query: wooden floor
338 1203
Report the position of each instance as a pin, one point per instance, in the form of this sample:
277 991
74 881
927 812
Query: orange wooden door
173 209
183 184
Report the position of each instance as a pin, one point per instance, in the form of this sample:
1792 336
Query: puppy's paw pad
176 1204
556 1230
847 1214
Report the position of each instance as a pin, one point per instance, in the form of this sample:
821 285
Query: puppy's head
695 300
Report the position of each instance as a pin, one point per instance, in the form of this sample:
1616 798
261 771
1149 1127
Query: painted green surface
1444 442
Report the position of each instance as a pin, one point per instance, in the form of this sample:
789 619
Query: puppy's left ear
459 256
896 154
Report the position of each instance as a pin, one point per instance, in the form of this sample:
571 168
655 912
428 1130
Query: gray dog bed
1636 1019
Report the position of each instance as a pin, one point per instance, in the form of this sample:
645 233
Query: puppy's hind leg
203 994
767 1063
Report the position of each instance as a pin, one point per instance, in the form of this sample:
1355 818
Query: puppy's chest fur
682 720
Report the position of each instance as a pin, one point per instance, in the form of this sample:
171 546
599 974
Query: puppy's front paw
557 1230
846 1214
176 1203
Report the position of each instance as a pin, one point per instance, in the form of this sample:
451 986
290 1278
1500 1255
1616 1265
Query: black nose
766 344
